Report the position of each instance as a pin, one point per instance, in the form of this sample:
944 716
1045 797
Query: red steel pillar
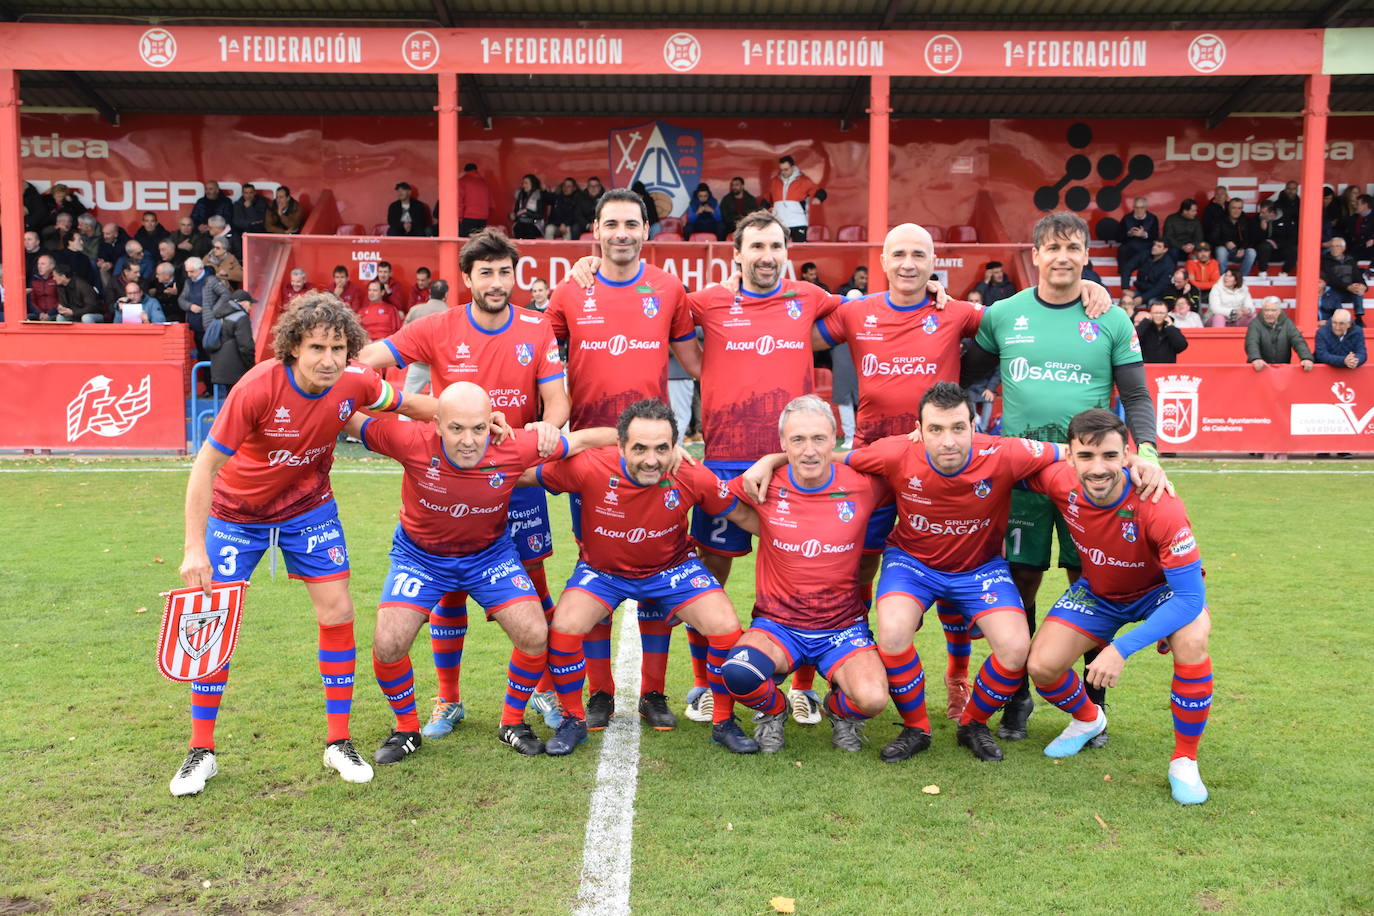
448 179
11 200
1310 209
878 157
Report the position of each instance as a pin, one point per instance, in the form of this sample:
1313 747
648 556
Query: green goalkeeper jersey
1055 361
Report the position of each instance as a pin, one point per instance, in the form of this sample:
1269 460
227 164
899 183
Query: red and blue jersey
952 522
447 510
1126 546
899 352
757 357
281 440
629 529
510 362
810 541
618 337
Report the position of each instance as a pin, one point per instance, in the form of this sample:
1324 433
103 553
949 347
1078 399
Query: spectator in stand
417 374
563 221
77 300
995 286
150 232
1276 239
250 213
53 235
419 290
974 297
1137 234
703 213
1348 202
858 280
527 216
233 354
1183 231
982 395
33 248
137 307
36 213
191 241
1274 338
225 265
1185 316
296 284
60 199
1340 342
406 215
1160 340
474 196
1182 289
89 227
738 204
168 251
346 290
811 274
220 231
1287 202
1129 303
1215 211
284 216
1157 273
792 191
1332 213
201 294
167 281
539 295
1227 298
591 196
1359 229
392 293
113 238
213 202
379 318
135 253
118 282
73 257
650 207
1203 272
1233 238
1345 282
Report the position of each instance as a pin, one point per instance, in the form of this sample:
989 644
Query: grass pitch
90 735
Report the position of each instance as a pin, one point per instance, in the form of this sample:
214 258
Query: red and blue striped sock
397 680
524 672
698 645
1191 699
906 683
597 647
654 638
958 644
1068 694
448 630
993 686
206 694
718 647
338 659
568 668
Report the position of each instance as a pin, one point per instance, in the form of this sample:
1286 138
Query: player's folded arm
1190 595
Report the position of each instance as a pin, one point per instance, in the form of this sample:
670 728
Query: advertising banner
95 406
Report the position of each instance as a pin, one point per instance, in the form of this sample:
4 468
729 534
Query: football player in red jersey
1140 563
455 499
620 328
512 353
262 478
635 545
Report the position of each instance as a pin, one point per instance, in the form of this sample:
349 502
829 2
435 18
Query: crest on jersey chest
845 509
1130 531
345 409
524 353
495 479
982 488
931 324
1088 330
671 498
650 304
794 309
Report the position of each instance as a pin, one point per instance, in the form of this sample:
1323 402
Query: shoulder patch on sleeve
1183 542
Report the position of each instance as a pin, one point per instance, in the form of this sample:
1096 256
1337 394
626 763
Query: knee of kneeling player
746 670
1043 671
1189 648
870 698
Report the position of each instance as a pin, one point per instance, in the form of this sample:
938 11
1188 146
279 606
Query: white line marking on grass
606 860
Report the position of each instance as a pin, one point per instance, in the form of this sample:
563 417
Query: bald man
455 498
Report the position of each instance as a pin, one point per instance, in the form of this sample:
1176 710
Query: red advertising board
1279 409
56 46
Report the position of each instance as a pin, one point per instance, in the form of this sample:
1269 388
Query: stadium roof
842 98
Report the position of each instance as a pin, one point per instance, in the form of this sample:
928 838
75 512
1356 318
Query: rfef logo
682 52
157 47
95 409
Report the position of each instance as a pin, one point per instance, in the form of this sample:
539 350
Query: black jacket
234 356
249 218
1160 344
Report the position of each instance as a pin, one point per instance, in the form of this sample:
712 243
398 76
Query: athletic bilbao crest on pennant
666 158
97 409
671 498
1129 531
982 488
524 353
345 409
199 631
931 324
337 555
1176 406
845 509
1088 330
650 304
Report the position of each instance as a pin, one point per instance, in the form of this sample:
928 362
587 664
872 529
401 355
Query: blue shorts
715 533
313 545
1100 618
826 649
880 525
660 595
492 577
528 524
972 593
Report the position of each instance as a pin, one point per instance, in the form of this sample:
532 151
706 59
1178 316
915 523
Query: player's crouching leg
1190 698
